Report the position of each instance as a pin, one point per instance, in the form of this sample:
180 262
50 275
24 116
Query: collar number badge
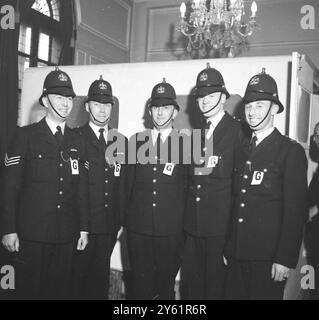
169 169
117 170
258 178
75 167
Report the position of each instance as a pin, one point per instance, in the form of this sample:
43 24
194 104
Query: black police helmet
209 81
263 87
101 91
163 94
57 82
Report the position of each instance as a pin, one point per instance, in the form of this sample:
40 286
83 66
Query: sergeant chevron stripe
12 161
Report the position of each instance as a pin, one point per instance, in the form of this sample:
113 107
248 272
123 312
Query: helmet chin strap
216 105
163 125
264 118
55 109
103 123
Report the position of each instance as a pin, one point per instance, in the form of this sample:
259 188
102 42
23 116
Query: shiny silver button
241 220
244 191
154 181
60 193
154 169
40 156
242 205
106 206
61 165
106 194
198 199
106 181
61 179
59 207
106 169
155 193
246 177
154 205
199 187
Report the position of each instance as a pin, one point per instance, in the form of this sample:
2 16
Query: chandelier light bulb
183 10
254 9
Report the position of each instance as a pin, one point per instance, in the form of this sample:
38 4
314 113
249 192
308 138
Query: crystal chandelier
216 24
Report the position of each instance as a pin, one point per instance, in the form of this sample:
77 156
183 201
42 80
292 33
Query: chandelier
217 25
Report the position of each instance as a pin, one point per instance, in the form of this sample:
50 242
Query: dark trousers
203 268
154 262
250 280
91 273
43 271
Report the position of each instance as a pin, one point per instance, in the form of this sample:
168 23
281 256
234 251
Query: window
40 38
50 8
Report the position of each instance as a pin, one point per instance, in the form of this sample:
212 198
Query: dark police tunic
269 211
107 202
155 223
45 204
208 212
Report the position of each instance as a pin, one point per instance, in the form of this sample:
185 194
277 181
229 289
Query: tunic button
60 193
106 194
61 179
154 169
106 181
40 156
205 149
245 177
154 205
243 205
154 181
197 199
199 187
106 206
106 169
61 165
244 191
155 193
241 220
59 207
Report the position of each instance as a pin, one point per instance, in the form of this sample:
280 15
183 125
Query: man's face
100 111
216 99
257 111
62 105
162 115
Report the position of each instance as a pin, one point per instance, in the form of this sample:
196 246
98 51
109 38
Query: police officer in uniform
106 196
155 216
209 194
270 201
46 197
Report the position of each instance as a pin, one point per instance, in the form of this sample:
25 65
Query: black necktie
253 144
59 136
102 139
205 129
158 146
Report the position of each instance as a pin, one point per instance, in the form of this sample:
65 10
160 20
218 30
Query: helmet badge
203 77
62 77
161 90
254 81
103 86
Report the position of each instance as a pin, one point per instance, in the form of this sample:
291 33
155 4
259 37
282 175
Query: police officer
209 195
156 210
106 195
46 199
270 201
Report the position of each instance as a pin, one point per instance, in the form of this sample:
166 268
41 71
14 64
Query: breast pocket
42 167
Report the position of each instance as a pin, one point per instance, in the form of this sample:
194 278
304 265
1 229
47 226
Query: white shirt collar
53 126
96 129
216 119
264 134
165 133
215 122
